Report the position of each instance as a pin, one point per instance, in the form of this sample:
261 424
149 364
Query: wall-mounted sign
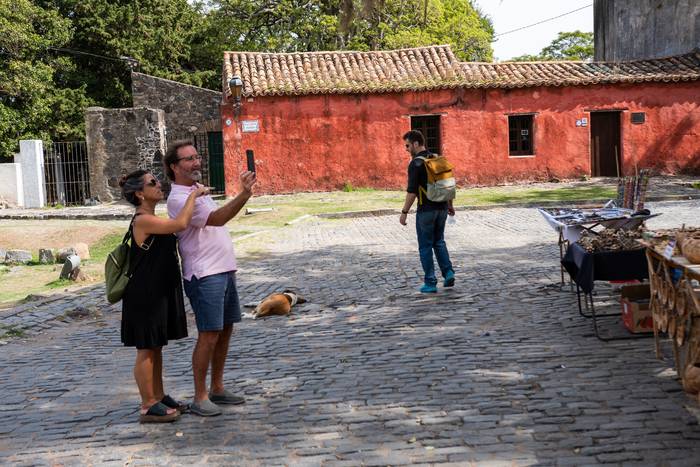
250 126
582 122
228 122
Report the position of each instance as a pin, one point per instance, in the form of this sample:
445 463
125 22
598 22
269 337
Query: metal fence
66 173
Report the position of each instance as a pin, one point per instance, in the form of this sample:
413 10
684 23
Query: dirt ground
53 233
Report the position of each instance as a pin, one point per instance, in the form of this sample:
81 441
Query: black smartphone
251 160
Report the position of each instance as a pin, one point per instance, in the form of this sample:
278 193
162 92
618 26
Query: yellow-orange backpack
441 181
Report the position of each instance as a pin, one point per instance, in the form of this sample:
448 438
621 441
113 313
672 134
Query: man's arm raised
229 210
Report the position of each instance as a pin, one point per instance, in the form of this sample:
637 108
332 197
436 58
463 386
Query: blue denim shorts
214 300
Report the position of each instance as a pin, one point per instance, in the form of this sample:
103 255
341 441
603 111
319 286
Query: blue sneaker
449 279
428 288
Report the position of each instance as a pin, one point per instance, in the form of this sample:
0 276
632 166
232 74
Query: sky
512 14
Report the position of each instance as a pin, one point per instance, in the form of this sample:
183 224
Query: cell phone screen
251 160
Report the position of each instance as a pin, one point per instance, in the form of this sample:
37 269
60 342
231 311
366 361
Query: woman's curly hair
132 183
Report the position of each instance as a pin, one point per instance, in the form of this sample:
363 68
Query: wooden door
606 157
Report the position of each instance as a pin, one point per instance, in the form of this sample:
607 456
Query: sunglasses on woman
152 182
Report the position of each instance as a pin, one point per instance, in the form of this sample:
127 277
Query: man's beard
196 175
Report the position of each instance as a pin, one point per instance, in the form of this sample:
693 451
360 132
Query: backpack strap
422 190
128 234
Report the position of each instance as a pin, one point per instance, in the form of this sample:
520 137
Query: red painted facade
321 142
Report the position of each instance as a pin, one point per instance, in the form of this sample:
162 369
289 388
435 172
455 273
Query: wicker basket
691 379
690 247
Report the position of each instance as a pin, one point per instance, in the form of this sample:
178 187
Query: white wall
11 187
31 156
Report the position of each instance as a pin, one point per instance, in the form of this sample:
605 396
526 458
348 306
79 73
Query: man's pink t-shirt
205 249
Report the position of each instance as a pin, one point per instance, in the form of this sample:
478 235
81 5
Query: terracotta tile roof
427 68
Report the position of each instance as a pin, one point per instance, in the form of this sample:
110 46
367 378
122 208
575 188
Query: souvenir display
673 257
611 240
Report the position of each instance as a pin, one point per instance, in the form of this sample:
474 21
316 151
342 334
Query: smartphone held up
251 160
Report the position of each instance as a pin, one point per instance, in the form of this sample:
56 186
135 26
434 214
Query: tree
313 25
574 45
454 22
33 103
156 33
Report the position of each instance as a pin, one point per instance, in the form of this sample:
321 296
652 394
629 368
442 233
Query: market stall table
570 223
585 268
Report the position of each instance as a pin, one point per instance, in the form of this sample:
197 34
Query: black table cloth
585 268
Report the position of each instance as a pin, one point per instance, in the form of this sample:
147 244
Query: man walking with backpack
430 180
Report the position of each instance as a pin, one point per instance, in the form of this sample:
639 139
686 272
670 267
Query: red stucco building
316 121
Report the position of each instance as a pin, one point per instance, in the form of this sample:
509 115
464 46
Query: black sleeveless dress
153 308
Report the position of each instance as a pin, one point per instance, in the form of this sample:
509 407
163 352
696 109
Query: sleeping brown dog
279 304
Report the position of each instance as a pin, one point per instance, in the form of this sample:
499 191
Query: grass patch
695 185
103 247
11 331
41 278
486 196
348 188
60 283
289 207
240 233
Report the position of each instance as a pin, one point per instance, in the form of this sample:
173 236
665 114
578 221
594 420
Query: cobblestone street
499 370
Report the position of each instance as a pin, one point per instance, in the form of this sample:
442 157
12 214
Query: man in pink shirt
208 272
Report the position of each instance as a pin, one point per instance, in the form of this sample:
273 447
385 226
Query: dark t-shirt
418 177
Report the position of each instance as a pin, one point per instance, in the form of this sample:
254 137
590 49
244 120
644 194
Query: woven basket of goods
690 247
691 379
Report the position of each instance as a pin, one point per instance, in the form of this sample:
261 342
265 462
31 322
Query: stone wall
187 109
120 141
638 29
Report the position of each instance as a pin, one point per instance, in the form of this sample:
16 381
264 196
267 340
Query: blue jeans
430 227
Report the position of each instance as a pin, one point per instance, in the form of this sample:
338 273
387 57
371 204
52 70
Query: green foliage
58 57
574 45
156 33
526 58
32 104
294 26
453 22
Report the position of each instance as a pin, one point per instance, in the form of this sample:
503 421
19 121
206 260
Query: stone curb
582 203
352 214
97 217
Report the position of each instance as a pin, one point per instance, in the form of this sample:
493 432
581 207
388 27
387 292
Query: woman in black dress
153 309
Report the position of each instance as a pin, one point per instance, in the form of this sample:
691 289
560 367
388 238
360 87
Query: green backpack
117 269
